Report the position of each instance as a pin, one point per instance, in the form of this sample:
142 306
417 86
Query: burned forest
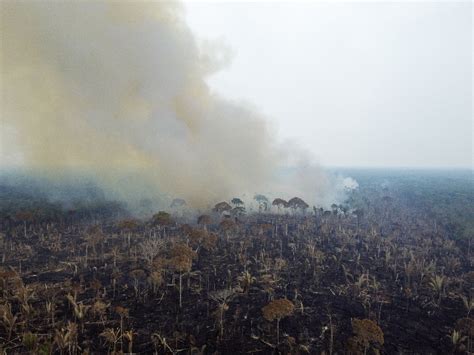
236 177
387 271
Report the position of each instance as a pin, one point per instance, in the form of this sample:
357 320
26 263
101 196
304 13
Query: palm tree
456 339
99 309
246 280
30 342
129 336
51 309
158 339
8 319
67 338
437 283
468 304
112 336
80 310
123 313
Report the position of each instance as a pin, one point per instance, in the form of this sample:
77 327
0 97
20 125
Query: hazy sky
358 84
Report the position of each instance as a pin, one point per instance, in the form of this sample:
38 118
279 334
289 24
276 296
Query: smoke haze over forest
134 97
117 92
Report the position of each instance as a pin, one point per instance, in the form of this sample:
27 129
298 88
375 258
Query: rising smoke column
115 87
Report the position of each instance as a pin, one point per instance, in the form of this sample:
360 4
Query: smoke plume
117 88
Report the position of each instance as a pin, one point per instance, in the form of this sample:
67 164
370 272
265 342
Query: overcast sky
358 84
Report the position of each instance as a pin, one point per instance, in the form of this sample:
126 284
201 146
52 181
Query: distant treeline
18 203
446 196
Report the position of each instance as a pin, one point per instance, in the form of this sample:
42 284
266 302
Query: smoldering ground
117 91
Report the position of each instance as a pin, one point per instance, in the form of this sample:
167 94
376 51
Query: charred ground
388 271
